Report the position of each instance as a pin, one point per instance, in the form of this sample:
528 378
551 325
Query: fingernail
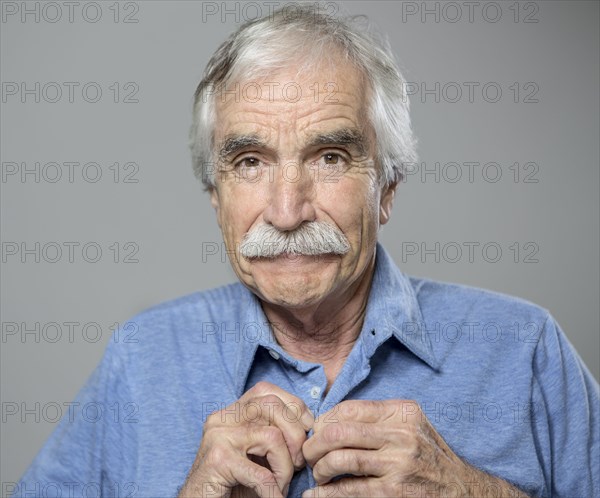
309 493
307 419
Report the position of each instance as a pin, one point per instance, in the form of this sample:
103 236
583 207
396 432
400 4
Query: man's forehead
310 108
320 83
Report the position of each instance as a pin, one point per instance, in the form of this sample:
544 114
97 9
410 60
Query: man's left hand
388 448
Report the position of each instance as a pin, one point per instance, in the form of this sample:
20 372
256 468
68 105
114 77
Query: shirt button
315 392
274 354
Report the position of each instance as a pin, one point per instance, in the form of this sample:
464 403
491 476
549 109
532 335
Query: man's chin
294 281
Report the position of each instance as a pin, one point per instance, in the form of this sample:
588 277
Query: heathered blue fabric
495 375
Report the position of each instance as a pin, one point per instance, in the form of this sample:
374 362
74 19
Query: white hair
311 238
264 45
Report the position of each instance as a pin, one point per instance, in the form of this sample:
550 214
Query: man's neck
325 332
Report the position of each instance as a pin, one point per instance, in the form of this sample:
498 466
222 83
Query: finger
225 467
296 408
256 477
229 448
351 486
356 462
290 415
268 442
367 411
270 410
340 435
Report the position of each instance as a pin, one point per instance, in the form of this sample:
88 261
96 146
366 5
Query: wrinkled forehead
300 97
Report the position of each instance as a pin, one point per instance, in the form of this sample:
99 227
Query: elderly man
318 375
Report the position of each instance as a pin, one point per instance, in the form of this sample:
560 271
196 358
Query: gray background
169 219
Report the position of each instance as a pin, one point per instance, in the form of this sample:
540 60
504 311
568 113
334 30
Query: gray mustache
312 238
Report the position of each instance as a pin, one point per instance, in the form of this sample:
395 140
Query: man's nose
291 196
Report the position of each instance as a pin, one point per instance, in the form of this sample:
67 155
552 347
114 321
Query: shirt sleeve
93 446
565 417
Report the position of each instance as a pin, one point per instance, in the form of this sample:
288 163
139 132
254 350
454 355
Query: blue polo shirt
495 376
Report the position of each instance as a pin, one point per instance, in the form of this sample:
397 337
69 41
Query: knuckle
349 409
216 456
406 436
374 405
262 387
250 412
365 431
409 409
361 464
338 460
333 433
298 404
292 411
271 399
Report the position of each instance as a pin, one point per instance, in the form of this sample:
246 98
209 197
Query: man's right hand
252 447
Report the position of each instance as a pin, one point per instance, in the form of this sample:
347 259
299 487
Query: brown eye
248 162
331 158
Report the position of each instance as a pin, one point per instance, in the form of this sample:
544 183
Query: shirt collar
392 309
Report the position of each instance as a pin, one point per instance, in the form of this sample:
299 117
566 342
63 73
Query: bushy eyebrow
235 143
344 136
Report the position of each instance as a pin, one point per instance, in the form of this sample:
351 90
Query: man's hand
252 447
390 449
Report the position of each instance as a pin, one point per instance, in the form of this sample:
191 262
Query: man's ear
387 200
215 203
